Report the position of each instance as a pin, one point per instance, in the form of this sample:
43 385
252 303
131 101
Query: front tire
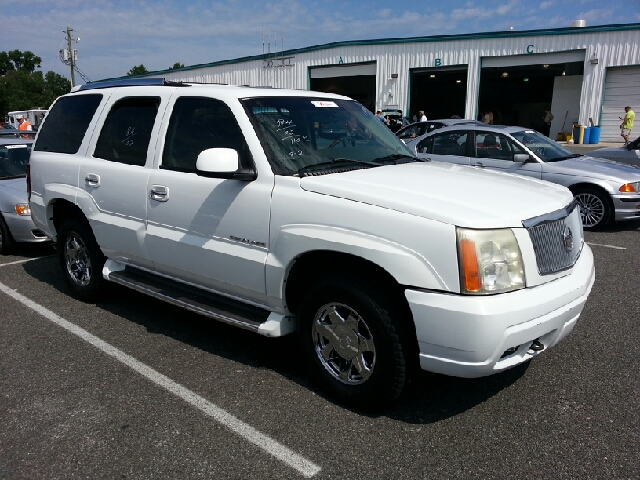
81 259
596 209
352 343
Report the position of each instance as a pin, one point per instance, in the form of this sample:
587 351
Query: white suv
282 211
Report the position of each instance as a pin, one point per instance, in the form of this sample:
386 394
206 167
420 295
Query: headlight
23 209
490 261
630 187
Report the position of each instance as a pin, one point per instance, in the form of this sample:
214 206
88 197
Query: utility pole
71 55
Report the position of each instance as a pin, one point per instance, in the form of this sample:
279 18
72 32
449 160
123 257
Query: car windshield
547 150
14 160
304 135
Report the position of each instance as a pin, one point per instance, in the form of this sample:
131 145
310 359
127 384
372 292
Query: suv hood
452 194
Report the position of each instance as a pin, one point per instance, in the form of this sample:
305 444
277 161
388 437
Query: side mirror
222 163
521 158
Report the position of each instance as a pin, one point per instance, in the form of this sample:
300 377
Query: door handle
477 164
159 193
92 180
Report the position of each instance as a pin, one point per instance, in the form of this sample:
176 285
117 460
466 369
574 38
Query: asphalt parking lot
134 388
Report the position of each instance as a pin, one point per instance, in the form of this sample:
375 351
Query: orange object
470 272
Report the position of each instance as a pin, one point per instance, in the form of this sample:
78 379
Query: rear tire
351 341
596 209
81 259
6 240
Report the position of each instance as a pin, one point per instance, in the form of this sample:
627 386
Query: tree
176 66
137 70
17 60
22 88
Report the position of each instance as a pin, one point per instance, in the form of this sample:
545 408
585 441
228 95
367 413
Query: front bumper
627 207
475 336
23 229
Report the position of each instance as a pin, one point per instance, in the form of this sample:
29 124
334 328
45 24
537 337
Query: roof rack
131 82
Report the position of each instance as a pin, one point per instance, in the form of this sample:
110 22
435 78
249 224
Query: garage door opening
360 87
441 92
357 81
519 95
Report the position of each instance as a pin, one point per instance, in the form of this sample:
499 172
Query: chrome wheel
592 209
343 343
77 260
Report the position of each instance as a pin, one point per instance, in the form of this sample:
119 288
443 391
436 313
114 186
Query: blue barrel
587 135
594 137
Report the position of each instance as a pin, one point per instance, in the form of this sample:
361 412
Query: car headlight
490 261
23 209
630 187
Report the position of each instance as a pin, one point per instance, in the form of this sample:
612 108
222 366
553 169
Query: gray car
629 154
606 190
15 216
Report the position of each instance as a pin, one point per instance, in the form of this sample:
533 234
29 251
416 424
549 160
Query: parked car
15 215
606 191
629 154
418 129
396 119
291 211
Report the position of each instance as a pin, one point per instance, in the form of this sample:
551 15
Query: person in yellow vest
627 124
23 123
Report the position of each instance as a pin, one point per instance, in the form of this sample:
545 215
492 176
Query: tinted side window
425 146
495 145
66 123
450 143
198 124
126 132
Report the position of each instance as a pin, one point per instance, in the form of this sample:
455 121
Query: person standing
422 117
379 116
627 123
548 117
23 124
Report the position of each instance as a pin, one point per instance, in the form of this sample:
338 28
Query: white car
284 210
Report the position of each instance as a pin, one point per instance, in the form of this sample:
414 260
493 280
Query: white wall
566 98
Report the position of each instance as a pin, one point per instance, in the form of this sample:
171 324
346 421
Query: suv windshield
547 150
14 160
303 134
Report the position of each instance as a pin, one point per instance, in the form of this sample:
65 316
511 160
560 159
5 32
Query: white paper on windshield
9 147
324 103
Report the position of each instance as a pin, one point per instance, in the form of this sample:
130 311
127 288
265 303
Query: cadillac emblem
567 239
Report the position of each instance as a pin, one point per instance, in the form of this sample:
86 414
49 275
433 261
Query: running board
205 303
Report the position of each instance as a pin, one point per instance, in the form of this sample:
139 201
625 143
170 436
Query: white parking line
272 447
607 246
18 262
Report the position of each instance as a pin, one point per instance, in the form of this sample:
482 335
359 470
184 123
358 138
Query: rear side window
126 133
66 123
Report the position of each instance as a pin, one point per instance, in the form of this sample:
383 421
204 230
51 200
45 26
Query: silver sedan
606 191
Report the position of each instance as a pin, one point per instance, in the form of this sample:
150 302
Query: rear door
450 147
115 175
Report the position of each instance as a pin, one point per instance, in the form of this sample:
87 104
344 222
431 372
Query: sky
116 35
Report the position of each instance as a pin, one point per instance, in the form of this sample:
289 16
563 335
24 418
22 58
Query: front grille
557 239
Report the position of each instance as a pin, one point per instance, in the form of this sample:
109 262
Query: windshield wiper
11 177
574 155
309 169
395 157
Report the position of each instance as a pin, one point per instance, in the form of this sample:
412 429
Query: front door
496 151
208 231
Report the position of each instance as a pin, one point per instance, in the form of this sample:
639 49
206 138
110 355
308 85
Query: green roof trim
427 39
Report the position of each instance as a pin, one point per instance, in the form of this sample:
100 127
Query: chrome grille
557 239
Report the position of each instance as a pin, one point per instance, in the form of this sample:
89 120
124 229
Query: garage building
579 73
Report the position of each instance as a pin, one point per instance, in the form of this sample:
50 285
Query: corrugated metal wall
610 48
